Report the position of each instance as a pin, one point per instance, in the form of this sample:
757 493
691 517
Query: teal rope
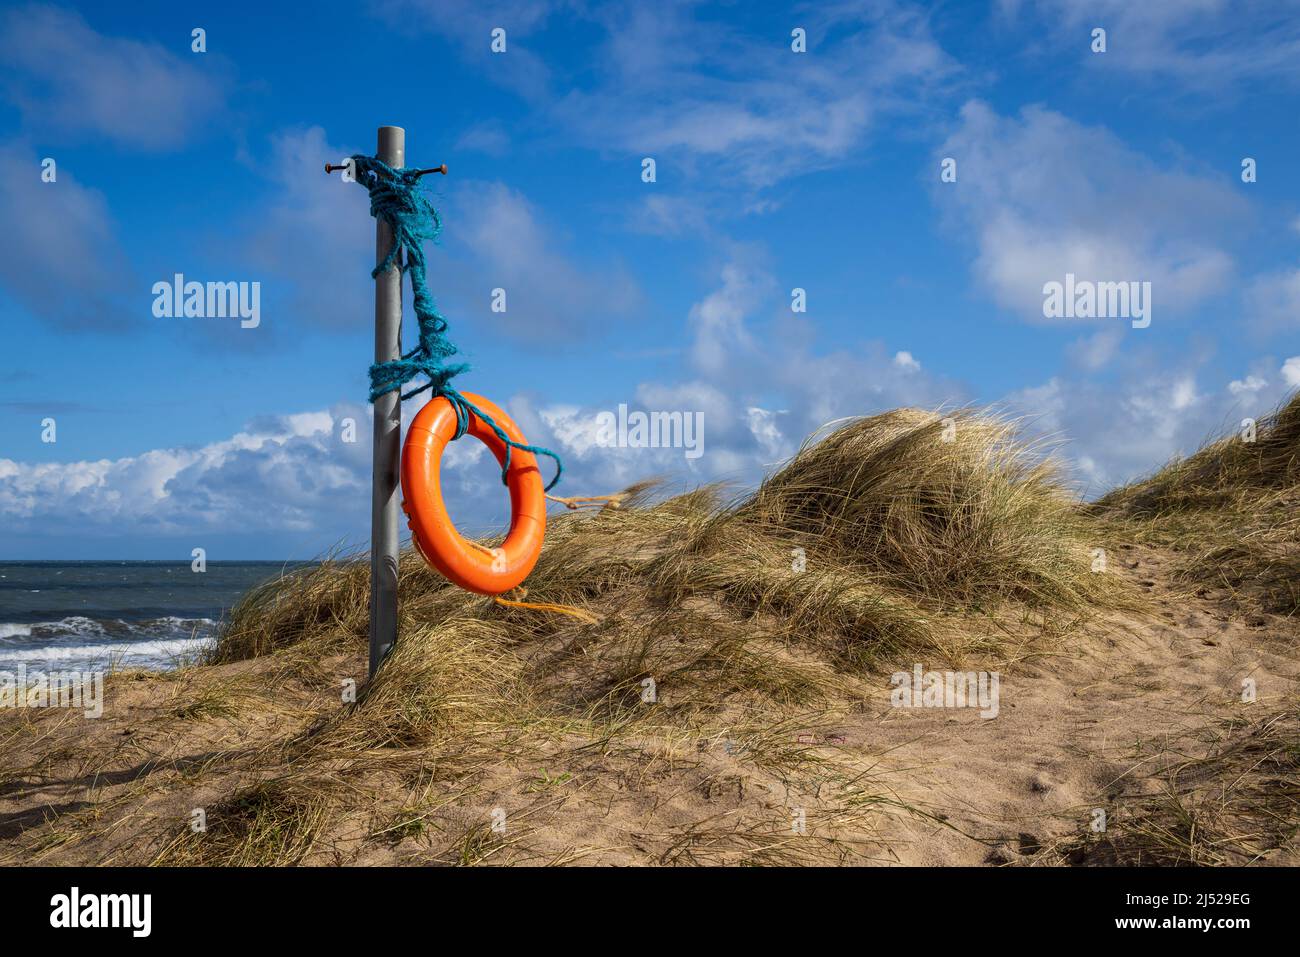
395 197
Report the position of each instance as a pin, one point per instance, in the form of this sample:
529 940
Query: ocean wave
154 654
80 628
158 643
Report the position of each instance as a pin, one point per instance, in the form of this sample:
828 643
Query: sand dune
735 701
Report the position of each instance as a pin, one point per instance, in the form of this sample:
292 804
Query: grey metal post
388 430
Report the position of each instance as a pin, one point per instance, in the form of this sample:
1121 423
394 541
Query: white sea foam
158 643
156 653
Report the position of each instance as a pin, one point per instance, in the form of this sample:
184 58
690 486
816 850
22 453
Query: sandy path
1088 729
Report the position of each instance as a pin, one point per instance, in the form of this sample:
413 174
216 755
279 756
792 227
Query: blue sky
774 170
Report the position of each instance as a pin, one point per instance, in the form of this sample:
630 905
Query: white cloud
281 473
281 478
575 430
292 473
1043 196
718 320
764 427
1183 395
1124 427
905 361
59 253
316 237
1206 45
66 77
496 238
689 90
1251 384
1291 372
315 234
673 82
757 403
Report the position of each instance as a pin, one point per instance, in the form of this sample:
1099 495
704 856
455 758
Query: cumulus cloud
59 253
1247 386
718 320
756 404
295 473
1291 372
1042 196
281 473
1119 428
64 76
301 478
759 404
906 362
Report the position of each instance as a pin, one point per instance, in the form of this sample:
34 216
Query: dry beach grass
767 629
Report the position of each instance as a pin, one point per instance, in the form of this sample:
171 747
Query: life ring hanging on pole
463 562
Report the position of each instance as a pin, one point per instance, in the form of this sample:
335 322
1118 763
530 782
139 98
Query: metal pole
388 430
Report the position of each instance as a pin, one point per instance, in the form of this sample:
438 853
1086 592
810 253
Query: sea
88 616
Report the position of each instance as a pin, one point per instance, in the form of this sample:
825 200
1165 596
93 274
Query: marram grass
902 537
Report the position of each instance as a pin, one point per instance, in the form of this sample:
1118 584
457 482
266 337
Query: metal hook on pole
330 168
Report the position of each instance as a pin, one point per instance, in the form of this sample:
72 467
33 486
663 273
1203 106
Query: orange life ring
471 566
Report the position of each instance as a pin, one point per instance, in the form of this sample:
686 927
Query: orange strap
569 610
575 502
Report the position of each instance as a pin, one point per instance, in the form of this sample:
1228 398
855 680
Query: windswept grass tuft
1226 475
1232 509
326 603
439 682
954 509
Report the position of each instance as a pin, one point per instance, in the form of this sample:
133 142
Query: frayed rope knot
396 198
